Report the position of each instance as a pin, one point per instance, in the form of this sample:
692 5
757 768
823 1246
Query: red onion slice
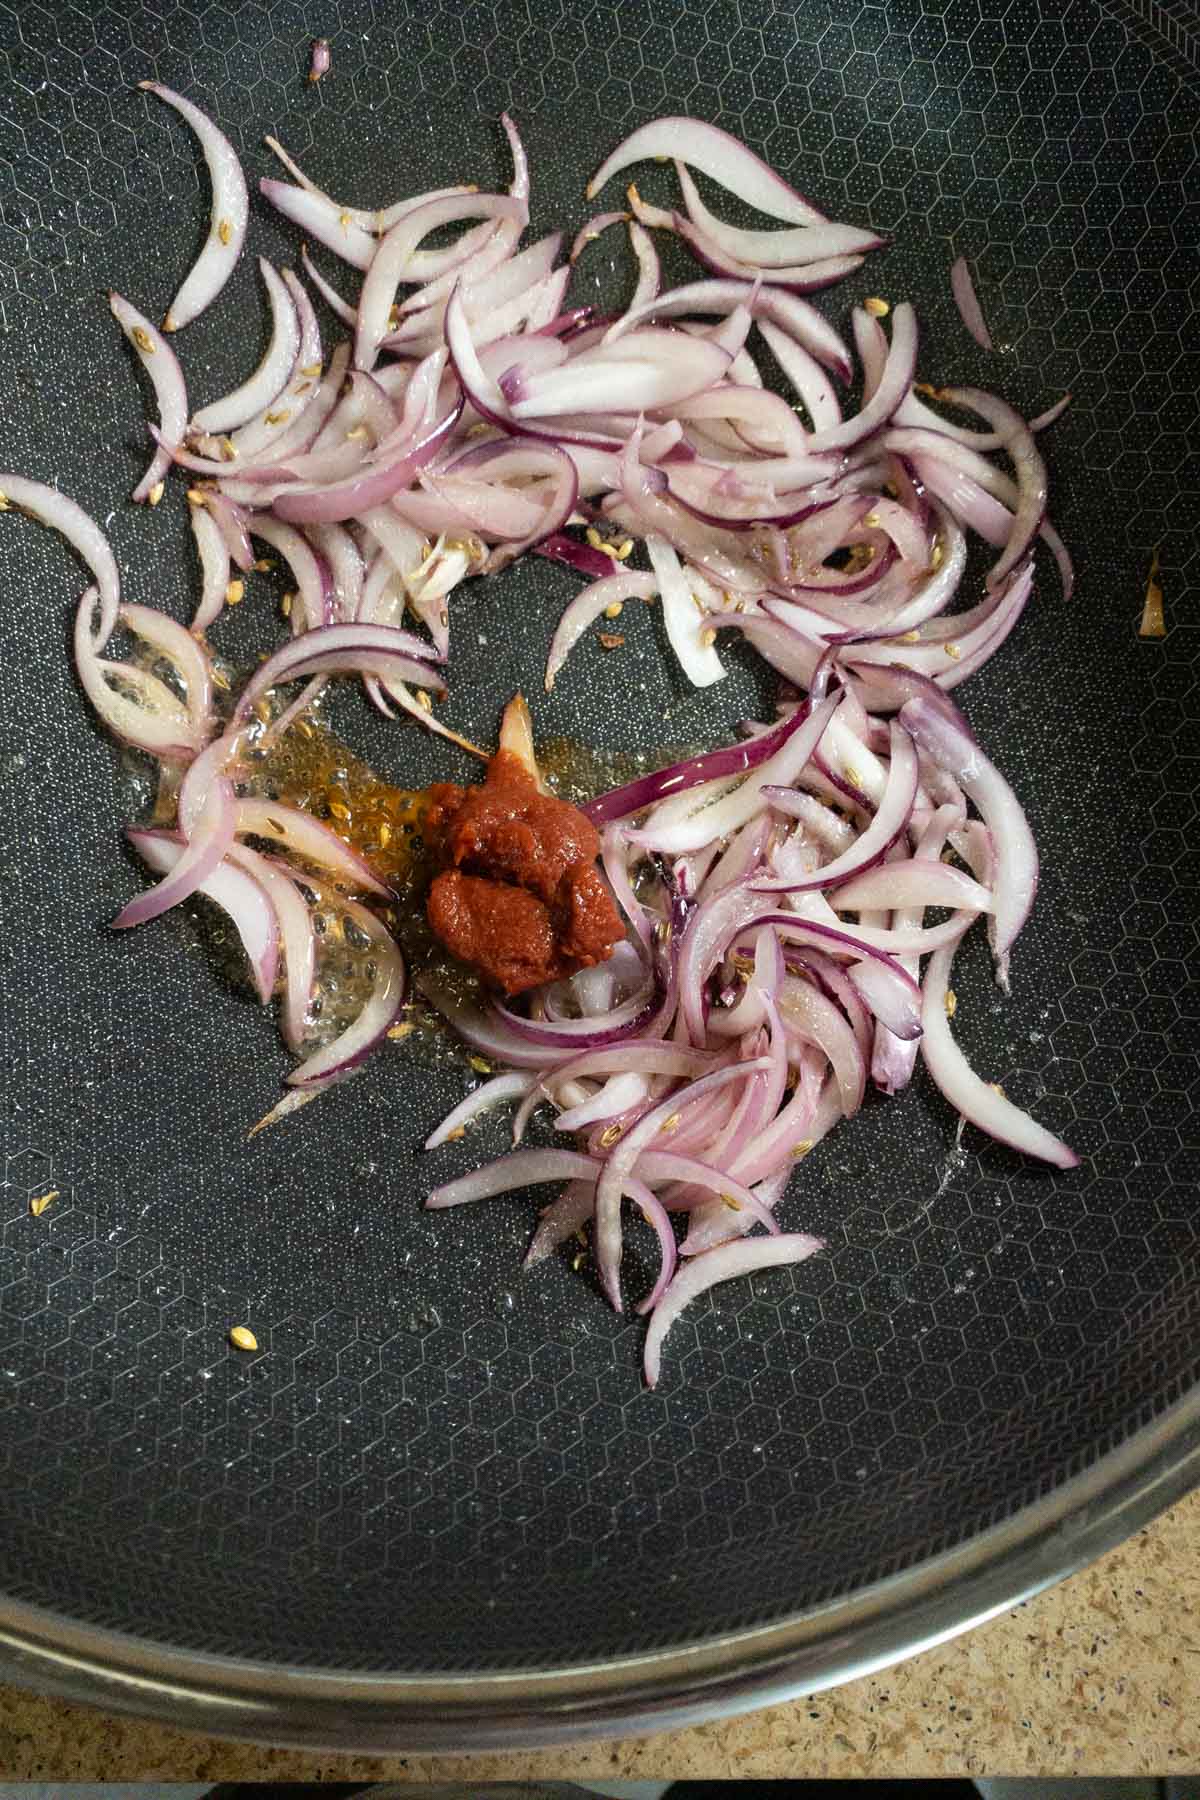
894 383
980 1102
771 250
890 820
309 841
623 1160
1032 480
716 154
297 938
235 891
726 1263
492 1093
377 1017
50 507
208 839
590 605
155 720
398 258
687 631
230 213
321 218
166 377
797 318
910 883
942 733
262 388
357 648
967 302
251 441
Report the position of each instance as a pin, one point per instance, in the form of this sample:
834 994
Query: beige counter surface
1099 1676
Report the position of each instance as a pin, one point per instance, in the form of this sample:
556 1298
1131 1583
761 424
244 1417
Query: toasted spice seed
312 370
276 418
304 728
578 1260
156 492
359 432
5 503
262 712
424 701
385 835
662 931
613 610
225 231
480 1065
951 1003
339 809
264 565
935 558
221 680
708 638
625 550
671 1124
38 1206
872 520
611 640
143 340
197 496
608 1138
460 1131
802 1148
402 1030
228 449
729 1201
345 220
1154 624
593 537
285 606
169 323
997 1089
954 652
242 1338
911 637
878 309
235 592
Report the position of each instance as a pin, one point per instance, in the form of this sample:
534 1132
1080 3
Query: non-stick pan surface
436 1467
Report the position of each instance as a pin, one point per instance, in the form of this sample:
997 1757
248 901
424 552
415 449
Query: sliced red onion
369 221
208 839
1032 480
894 383
398 258
911 884
491 1093
297 938
321 60
716 154
50 507
235 891
261 389
310 608
587 234
615 1097
980 1102
369 649
967 302
166 377
189 658
307 839
251 442
590 605
230 521
796 317
818 1021
321 218
768 250
726 1263
649 269
942 733
377 1017
806 375
340 308
890 820
561 1220
687 630
230 213
728 813
622 1164
214 567
156 720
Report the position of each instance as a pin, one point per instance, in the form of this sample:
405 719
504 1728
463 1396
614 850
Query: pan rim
692 1683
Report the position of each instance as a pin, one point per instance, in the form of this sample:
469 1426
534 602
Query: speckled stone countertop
1099 1676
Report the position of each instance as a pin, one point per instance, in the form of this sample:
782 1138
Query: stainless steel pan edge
844 1641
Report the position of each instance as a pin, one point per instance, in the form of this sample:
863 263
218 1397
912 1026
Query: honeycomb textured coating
432 1460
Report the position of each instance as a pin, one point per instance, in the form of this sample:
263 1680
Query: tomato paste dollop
520 897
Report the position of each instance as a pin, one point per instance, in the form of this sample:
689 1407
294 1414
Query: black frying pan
439 1506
